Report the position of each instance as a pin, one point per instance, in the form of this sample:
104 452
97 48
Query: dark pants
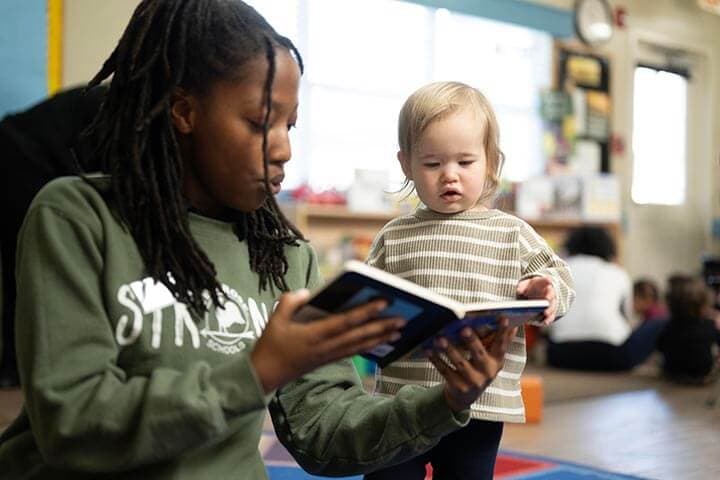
600 356
467 453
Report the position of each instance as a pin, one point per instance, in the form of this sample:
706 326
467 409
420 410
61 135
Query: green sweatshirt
122 382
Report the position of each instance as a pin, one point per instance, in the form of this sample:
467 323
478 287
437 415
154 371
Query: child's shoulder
399 222
524 229
508 220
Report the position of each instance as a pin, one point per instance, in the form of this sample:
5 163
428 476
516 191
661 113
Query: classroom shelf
326 226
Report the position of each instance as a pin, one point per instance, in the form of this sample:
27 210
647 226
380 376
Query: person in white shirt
597 333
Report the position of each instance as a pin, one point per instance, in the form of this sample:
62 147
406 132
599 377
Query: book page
506 305
485 321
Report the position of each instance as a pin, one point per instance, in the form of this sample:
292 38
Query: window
659 137
510 65
361 67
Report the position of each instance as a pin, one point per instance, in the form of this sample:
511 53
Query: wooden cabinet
328 225
336 233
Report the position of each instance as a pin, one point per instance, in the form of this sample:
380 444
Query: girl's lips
275 183
451 196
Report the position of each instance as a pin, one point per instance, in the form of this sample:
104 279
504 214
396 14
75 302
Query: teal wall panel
23 54
555 21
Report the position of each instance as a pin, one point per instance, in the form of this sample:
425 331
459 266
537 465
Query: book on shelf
428 313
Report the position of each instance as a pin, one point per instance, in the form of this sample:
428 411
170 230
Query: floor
669 432
664 432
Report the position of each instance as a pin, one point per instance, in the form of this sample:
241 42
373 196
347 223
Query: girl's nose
279 150
448 175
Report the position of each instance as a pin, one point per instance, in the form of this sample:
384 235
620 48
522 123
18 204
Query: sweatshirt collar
202 223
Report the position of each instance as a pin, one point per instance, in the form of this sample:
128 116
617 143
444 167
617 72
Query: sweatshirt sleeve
86 413
333 427
538 259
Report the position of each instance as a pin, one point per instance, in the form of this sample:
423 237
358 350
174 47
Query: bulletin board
586 78
577 111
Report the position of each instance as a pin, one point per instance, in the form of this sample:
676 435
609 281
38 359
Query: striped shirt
472 256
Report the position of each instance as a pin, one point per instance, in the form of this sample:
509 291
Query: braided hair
188 44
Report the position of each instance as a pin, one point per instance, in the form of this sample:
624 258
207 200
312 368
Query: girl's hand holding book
288 349
470 368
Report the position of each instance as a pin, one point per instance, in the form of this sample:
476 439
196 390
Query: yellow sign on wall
54 53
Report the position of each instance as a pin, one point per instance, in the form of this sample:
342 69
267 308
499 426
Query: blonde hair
440 99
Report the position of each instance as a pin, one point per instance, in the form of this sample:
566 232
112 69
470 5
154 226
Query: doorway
672 236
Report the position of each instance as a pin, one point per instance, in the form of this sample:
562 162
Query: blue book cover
428 313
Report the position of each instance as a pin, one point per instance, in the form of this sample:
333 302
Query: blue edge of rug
510 466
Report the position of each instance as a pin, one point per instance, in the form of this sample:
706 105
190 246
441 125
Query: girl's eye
466 163
431 164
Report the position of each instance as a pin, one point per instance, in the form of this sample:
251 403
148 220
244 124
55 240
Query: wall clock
593 21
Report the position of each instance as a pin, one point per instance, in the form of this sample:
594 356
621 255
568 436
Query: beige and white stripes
472 256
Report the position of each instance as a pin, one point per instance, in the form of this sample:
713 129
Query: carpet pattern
509 466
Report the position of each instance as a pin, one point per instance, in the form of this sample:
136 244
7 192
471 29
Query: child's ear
183 107
404 160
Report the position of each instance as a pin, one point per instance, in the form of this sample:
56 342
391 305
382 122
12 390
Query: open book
428 313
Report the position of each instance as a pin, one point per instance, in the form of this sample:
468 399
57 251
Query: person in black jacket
689 341
37 145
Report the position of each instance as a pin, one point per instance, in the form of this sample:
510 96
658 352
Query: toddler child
646 300
459 246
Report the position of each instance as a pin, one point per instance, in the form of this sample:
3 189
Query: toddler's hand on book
467 376
288 349
535 288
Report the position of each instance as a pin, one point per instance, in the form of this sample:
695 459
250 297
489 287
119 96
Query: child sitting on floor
646 300
689 343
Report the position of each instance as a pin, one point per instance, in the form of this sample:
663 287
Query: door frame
701 146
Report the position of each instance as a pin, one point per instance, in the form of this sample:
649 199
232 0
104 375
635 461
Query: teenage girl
151 329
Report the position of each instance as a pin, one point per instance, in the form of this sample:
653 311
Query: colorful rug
509 466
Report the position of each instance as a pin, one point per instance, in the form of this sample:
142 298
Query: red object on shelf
305 193
301 192
619 15
617 144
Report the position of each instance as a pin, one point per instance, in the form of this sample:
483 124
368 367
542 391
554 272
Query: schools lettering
226 330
